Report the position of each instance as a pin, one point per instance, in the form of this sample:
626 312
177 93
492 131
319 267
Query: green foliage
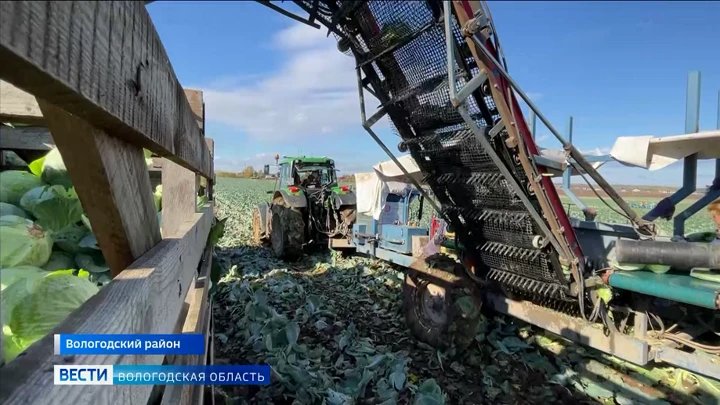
332 329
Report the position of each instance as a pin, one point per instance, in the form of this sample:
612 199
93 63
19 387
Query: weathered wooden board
180 185
105 63
17 106
25 138
112 181
196 321
145 298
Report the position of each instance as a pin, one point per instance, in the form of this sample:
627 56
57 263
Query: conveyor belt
401 45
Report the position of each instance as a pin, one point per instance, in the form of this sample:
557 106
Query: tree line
248 173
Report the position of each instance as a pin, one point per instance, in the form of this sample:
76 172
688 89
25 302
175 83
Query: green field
333 330
700 222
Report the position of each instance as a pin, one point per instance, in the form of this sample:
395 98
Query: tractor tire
287 234
427 310
442 316
257 228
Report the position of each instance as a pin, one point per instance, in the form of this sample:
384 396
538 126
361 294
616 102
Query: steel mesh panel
406 40
526 262
508 227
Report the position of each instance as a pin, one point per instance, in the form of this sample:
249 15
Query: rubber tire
421 327
257 229
287 234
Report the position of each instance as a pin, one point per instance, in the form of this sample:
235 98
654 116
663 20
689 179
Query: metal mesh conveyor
401 48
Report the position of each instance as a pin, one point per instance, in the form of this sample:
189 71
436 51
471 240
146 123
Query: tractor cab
306 173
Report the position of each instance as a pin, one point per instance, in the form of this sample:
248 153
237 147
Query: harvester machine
438 71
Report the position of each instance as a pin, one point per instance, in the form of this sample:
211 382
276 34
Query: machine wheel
257 229
428 310
288 231
442 316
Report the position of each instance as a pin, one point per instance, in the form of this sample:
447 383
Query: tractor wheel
427 310
288 231
441 316
257 229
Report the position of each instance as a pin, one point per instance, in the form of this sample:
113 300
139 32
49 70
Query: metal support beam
643 226
533 122
567 174
666 207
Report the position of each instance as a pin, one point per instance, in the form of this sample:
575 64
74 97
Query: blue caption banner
161 375
178 344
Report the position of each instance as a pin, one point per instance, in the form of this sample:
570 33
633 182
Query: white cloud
542 138
313 93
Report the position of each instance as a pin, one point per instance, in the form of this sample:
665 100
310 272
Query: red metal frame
549 187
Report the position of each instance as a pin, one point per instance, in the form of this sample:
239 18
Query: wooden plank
197 106
25 138
18 106
150 293
112 181
210 182
105 63
180 186
195 322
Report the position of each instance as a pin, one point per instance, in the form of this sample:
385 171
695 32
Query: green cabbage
11 274
15 183
148 158
706 274
54 207
59 261
626 266
23 242
9 209
86 222
157 195
68 239
33 306
658 268
54 171
92 262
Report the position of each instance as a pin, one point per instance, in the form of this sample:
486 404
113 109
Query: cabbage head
54 171
60 261
9 209
157 195
23 242
34 306
54 207
15 183
11 274
68 239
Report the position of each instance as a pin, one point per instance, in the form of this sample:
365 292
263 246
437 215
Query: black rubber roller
681 255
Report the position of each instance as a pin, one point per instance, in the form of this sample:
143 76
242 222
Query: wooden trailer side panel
97 74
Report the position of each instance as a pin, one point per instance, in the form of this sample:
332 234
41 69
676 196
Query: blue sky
272 85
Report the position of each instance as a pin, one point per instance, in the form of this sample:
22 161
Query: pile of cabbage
50 262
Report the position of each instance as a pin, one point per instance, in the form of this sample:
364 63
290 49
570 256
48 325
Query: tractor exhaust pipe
681 255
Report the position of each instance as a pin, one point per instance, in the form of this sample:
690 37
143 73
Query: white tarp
371 189
558 156
651 153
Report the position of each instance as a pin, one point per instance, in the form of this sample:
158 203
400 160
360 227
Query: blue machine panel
398 238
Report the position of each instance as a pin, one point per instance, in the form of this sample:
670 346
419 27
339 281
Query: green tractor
308 208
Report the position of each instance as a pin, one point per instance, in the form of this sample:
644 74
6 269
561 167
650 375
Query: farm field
332 328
